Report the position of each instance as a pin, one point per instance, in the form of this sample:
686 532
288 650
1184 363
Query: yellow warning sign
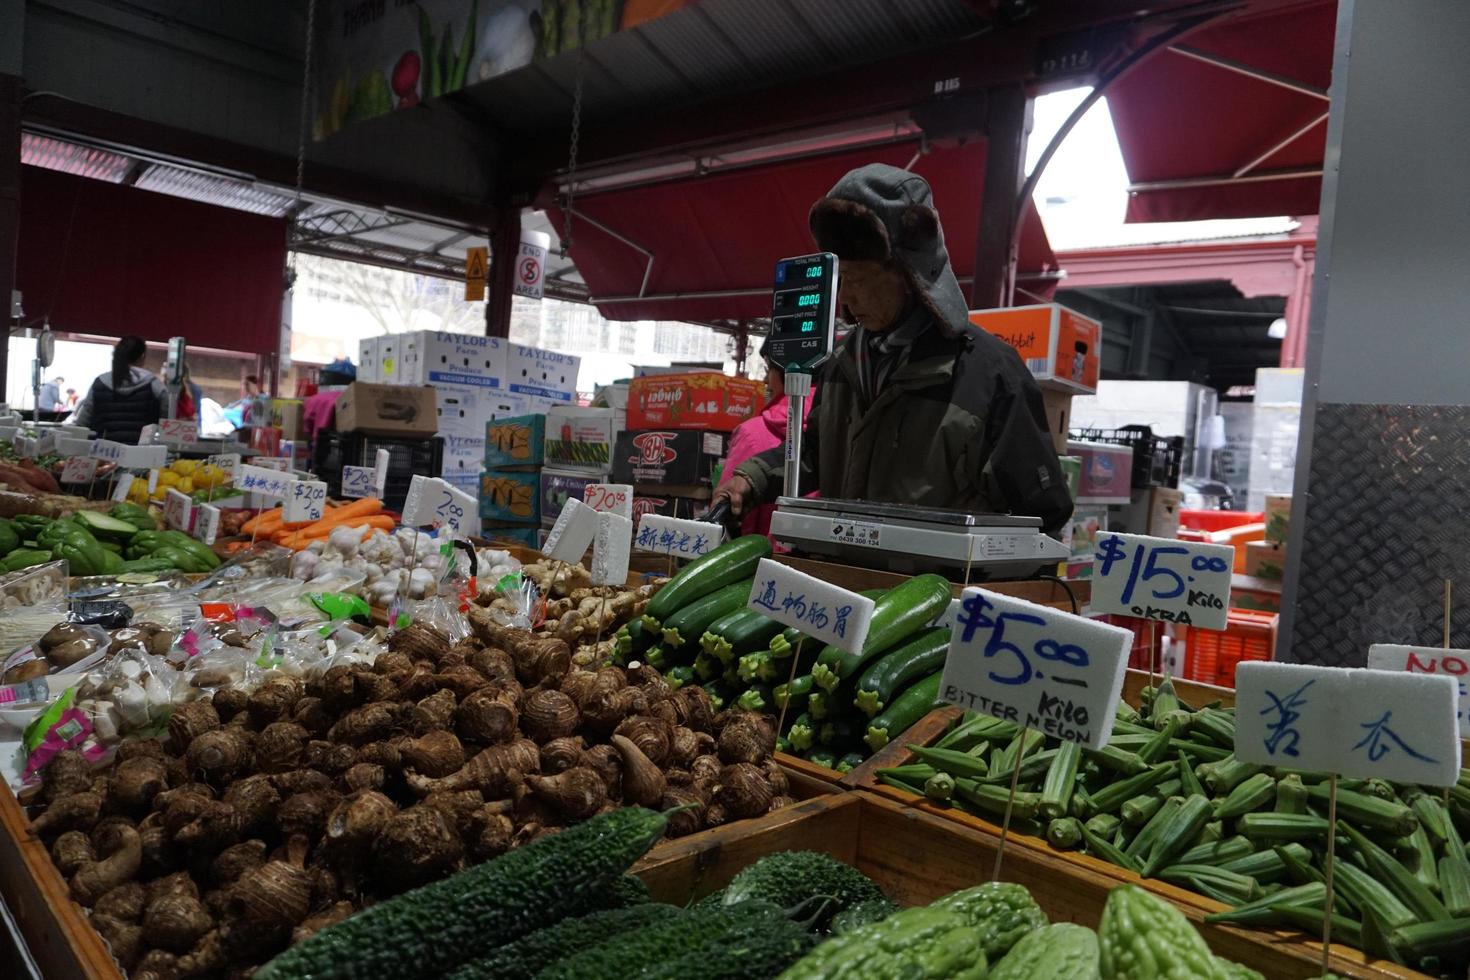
477 264
474 290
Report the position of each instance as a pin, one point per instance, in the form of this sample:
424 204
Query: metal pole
798 387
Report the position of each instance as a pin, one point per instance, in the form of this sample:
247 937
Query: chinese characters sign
677 537
1361 723
130 457
825 612
1428 660
1036 666
1161 578
258 479
206 523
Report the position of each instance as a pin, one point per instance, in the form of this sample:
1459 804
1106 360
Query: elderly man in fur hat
917 405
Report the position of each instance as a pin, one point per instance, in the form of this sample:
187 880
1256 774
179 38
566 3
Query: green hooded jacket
961 423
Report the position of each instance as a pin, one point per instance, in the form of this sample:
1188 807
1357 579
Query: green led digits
810 299
814 272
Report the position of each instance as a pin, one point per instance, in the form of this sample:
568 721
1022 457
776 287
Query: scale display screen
803 308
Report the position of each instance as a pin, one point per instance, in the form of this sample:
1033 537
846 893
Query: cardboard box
288 415
1058 417
702 400
542 373
464 458
439 358
558 486
1265 559
1278 517
1163 512
389 347
510 496
582 438
1107 472
465 411
517 442
1080 534
529 535
388 410
1061 348
367 360
664 457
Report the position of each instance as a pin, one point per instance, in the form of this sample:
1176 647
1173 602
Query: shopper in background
125 399
49 399
762 433
71 399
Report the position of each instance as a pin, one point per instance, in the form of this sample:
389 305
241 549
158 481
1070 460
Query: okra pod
1254 793
1369 812
1218 852
1176 837
1291 795
1061 779
1261 910
1099 846
1142 843
1112 796
1064 833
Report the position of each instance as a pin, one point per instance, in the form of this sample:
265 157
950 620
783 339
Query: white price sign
257 479
1161 578
178 430
614 498
24 445
124 484
178 507
206 523
1364 723
79 469
228 462
305 500
610 549
825 612
576 527
152 482
357 481
1428 660
678 537
1036 666
272 462
131 457
380 471
456 509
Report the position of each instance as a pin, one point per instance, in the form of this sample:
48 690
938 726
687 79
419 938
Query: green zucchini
793 696
685 626
900 613
738 633
897 669
731 562
905 710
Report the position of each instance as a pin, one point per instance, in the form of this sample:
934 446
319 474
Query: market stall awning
1230 121
704 248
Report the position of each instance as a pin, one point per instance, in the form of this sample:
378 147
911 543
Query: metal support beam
9 203
1008 120
505 246
742 345
1139 346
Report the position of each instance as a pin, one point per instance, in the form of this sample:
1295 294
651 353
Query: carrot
263 522
296 540
341 516
366 507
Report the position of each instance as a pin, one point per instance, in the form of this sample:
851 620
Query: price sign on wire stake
178 430
1163 579
825 612
357 481
611 548
1036 667
206 523
262 480
380 471
282 463
456 509
616 498
575 528
677 537
1428 660
228 462
79 469
124 484
178 508
305 500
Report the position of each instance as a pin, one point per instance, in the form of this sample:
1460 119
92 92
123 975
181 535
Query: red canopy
1230 121
714 240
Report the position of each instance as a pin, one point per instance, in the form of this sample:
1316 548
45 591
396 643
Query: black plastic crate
406 457
1157 460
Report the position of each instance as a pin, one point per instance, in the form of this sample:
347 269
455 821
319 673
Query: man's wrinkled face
874 294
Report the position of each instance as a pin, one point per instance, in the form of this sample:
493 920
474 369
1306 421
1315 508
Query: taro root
650 680
124 938
578 792
325 887
313 715
79 811
356 822
141 748
135 783
175 923
419 641
178 883
219 755
216 827
374 687
389 662
604 713
463 680
493 664
433 713
255 799
417 683
332 758
156 964
541 658
181 807
664 711
684 822
274 699
338 689
561 754
72 850
780 782
494 839
549 714
191 720
160 854
125 903
386 754
706 766
362 725
333 915
697 709
435 755
715 815
229 702
779 802
277 895
494 771
465 810
747 737
607 762
489 715
302 781
364 775
687 745
415 847
279 746
652 736
643 782
124 855
66 774
208 957
305 814
235 860
744 790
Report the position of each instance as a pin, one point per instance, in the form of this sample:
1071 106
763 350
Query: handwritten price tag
678 537
124 484
456 509
79 469
131 457
1428 660
610 549
1037 667
616 498
258 479
206 523
825 612
1358 723
357 481
152 482
305 500
1164 579
178 430
178 507
282 463
576 526
228 462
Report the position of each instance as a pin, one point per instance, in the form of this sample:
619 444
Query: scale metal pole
798 388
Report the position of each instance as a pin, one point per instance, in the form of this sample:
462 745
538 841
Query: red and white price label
206 523
178 508
178 430
79 469
610 498
305 500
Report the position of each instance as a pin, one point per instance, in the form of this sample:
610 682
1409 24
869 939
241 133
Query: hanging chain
571 160
302 125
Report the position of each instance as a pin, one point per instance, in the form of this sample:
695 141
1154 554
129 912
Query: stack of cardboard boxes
1267 559
510 486
579 447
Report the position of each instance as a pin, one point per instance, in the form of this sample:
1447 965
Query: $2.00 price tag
1358 723
677 537
305 500
827 613
1036 666
79 469
178 508
1428 660
1161 578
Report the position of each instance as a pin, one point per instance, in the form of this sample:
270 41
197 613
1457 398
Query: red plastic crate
1144 655
1218 520
1211 656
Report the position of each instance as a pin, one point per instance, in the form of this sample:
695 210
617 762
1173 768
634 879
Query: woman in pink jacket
755 435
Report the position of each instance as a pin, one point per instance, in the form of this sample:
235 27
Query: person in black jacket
125 399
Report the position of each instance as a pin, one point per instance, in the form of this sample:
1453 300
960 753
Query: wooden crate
916 856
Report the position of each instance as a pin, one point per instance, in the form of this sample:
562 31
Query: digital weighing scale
895 537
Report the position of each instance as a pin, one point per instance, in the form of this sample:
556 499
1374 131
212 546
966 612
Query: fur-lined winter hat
879 213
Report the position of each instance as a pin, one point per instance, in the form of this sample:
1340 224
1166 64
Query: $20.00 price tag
1036 666
305 500
1161 578
613 498
825 612
357 481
